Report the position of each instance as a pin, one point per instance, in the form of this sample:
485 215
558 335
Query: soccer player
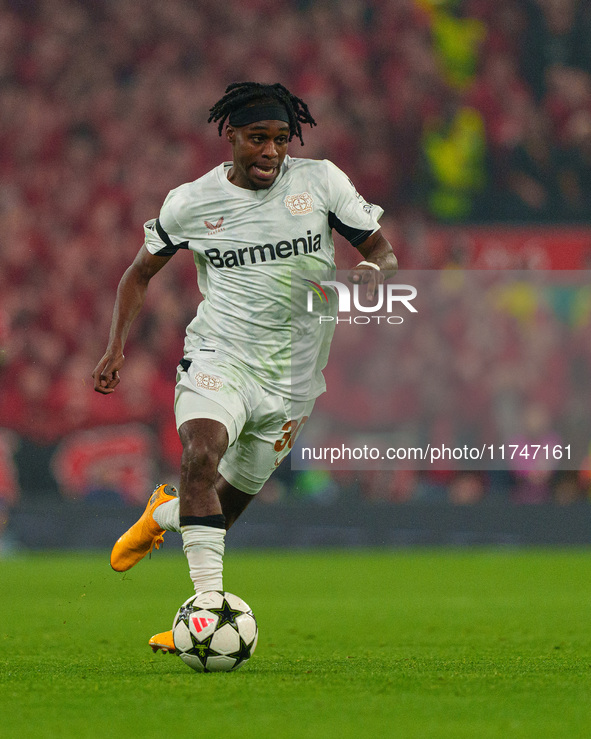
238 408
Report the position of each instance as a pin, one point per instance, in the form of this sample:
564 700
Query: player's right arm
131 294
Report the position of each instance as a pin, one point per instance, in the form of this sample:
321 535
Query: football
215 631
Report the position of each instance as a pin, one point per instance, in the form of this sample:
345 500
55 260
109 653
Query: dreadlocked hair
240 94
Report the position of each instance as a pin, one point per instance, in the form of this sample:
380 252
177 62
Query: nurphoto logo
387 298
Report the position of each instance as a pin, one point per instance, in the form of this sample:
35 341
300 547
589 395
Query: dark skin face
258 151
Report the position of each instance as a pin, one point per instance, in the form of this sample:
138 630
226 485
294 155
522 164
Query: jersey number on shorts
292 429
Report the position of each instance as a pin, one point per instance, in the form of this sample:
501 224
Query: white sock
204 548
167 515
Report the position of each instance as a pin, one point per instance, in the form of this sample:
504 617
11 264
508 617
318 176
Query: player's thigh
215 390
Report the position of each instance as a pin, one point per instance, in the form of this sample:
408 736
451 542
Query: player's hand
366 275
106 373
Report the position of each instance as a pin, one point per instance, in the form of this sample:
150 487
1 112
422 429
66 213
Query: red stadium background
469 121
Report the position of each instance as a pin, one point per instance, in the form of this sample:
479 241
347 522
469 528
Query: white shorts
261 426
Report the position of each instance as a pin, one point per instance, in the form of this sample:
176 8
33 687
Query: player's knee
199 459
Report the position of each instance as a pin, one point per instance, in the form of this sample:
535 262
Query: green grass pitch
472 643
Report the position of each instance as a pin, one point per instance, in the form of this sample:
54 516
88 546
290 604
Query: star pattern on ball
242 654
197 642
226 614
184 613
201 650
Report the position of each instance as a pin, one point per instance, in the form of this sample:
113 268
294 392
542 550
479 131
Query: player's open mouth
264 173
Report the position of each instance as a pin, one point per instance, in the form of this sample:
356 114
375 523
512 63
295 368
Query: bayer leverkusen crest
299 205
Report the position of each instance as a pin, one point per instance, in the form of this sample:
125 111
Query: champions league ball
215 631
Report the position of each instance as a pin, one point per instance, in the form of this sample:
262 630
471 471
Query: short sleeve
349 213
163 235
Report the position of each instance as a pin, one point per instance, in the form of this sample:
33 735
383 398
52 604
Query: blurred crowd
491 361
442 111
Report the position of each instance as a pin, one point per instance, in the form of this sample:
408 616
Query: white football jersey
246 243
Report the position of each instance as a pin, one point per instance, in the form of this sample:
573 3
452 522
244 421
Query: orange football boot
144 535
163 641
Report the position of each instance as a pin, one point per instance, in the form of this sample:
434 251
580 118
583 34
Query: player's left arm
378 264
